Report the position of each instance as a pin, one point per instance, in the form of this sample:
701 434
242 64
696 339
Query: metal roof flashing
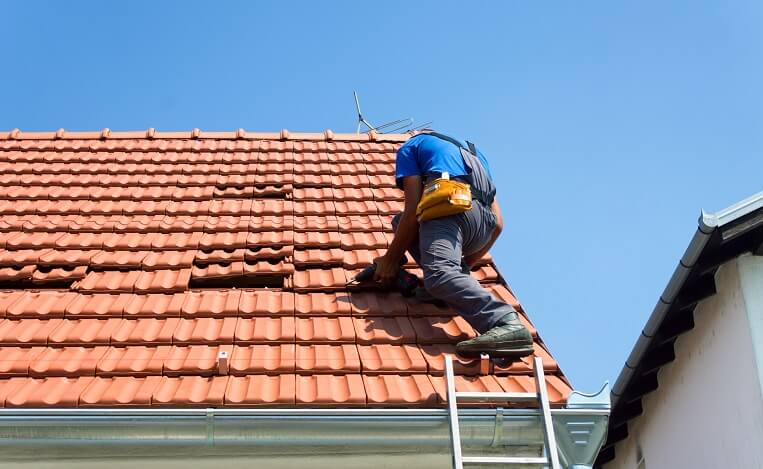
422 433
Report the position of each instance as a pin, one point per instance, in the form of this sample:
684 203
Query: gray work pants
441 244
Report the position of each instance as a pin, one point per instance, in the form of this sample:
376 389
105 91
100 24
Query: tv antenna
388 127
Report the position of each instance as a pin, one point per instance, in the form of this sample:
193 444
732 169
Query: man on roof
451 219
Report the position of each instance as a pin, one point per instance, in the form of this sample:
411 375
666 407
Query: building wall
708 410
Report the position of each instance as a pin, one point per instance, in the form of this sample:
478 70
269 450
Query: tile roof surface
209 269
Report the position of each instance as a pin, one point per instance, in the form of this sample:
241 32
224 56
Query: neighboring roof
720 237
208 269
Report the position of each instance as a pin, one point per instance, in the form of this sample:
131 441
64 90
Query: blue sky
609 125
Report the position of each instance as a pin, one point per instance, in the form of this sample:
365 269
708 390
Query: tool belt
443 197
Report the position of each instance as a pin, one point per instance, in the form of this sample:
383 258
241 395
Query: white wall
708 409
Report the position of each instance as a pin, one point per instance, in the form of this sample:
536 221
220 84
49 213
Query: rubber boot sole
498 351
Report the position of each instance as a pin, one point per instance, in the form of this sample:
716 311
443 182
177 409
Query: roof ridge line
197 134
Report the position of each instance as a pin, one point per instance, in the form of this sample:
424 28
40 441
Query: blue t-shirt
425 154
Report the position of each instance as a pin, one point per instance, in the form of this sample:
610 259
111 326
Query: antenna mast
397 125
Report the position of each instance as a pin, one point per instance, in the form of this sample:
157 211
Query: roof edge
197 134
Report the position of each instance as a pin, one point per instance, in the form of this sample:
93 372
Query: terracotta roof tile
265 330
397 390
117 226
259 390
380 330
119 391
387 358
322 304
190 391
343 390
316 330
327 358
66 361
265 303
442 330
211 303
262 358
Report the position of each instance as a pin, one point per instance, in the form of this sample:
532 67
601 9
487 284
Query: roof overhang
720 237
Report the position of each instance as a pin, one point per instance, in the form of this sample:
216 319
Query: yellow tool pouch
443 197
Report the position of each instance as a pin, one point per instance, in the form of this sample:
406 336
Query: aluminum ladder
551 458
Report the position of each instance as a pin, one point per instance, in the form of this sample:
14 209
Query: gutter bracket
498 428
210 418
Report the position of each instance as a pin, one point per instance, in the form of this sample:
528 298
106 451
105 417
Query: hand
386 270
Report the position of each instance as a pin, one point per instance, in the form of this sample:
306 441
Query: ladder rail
455 431
551 458
549 435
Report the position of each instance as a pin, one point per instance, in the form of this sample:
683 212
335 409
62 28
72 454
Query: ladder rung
497 396
528 461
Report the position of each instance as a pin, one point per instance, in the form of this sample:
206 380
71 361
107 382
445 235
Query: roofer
447 234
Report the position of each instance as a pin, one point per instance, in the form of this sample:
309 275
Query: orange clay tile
163 281
223 240
84 332
356 207
322 304
318 257
7 298
222 270
503 294
190 391
350 180
265 303
15 360
168 260
16 273
442 330
322 240
119 391
435 360
108 282
23 257
44 274
363 223
261 207
269 238
40 304
418 308
28 331
485 274
264 252
213 256
389 207
313 193
154 305
226 223
319 279
48 392
358 240
314 207
332 390
261 390
66 258
353 193
132 361
397 390
198 360
388 358
118 259
145 331
359 259
270 359
316 330
327 358
312 180
316 223
210 303
97 306
374 304
205 331
177 241
267 267
384 330
66 361
265 330
270 223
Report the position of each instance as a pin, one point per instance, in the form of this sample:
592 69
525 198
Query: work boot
509 338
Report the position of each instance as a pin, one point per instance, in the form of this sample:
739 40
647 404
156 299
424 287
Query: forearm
405 233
